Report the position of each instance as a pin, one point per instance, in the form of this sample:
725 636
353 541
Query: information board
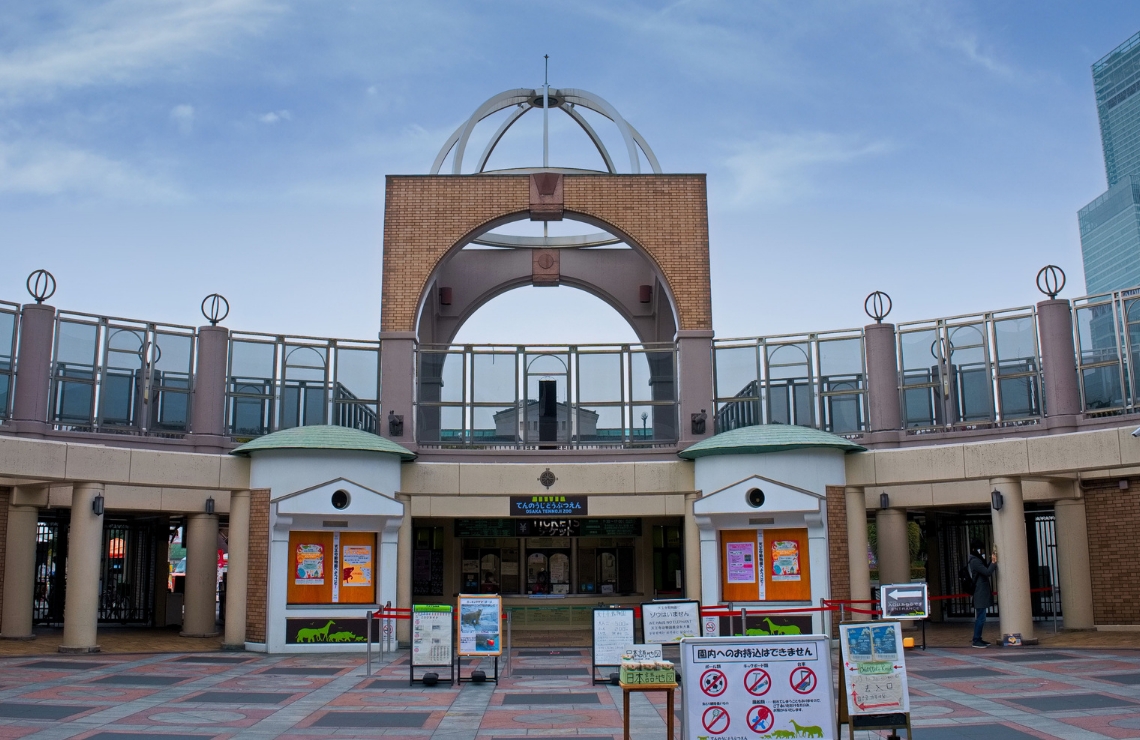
613 632
670 621
874 668
431 634
480 625
744 687
904 601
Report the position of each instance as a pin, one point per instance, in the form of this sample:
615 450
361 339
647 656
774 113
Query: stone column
1058 365
883 408
404 570
695 383
692 540
398 391
237 571
894 546
1013 598
201 576
208 410
84 558
33 369
859 569
19 573
1072 564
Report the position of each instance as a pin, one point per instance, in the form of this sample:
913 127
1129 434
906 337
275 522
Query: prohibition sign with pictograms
803 680
713 682
715 720
760 719
757 682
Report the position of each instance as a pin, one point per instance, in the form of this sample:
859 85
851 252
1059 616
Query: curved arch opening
561 315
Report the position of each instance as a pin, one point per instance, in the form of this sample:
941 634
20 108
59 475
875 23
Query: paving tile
1071 702
137 735
40 711
549 653
1124 679
934 675
975 732
218 659
398 683
64 665
1029 656
141 679
372 719
568 671
300 671
237 697
542 699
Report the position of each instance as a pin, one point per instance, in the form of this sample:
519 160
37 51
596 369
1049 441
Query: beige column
859 571
1013 598
1072 563
404 570
200 618
894 546
692 537
237 571
84 558
19 573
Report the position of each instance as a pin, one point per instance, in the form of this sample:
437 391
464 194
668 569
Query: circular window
340 500
755 498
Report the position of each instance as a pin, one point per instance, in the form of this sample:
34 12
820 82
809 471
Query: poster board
431 634
904 601
874 668
775 686
779 569
670 621
480 624
613 632
331 568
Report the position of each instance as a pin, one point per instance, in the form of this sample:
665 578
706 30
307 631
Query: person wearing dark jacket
981 572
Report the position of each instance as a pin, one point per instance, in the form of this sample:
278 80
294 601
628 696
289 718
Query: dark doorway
51 557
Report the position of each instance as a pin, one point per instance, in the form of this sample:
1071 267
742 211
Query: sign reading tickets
613 632
431 634
874 668
904 601
670 621
480 625
745 687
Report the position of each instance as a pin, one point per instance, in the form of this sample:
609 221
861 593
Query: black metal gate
51 573
127 574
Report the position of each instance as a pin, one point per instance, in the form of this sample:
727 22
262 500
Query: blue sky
152 152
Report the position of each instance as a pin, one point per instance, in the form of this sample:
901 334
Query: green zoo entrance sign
328 630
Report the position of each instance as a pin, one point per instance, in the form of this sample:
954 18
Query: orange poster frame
781 590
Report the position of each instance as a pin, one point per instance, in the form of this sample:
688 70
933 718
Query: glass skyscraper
1110 225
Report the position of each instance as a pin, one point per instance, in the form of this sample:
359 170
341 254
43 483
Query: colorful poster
480 625
310 565
741 562
785 560
356 565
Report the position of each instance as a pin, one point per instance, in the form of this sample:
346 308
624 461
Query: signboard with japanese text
613 632
874 668
904 601
431 634
670 621
741 688
549 505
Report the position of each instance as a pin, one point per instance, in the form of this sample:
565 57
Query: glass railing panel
251 387
1019 387
73 397
549 418
304 392
653 424
600 377
737 371
358 372
172 364
841 384
123 363
494 377
789 384
652 376
1131 314
9 317
1100 354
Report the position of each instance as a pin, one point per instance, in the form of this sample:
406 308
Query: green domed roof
767 438
324 437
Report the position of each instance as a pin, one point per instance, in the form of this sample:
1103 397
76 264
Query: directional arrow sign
905 594
904 601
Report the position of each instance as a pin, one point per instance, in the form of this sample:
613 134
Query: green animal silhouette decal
802 731
783 733
345 636
776 629
315 635
756 631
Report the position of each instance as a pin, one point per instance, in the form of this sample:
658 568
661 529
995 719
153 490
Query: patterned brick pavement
968 694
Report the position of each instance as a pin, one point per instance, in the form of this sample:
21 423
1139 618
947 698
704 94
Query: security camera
755 498
1136 433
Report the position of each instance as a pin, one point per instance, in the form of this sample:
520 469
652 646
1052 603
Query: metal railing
279 382
546 396
1106 330
816 380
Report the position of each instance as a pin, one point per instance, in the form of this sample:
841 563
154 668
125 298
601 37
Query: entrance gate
51 555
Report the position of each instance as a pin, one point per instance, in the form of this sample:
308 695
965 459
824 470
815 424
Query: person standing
982 572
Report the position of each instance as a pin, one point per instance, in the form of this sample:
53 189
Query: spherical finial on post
1051 280
41 285
215 308
877 306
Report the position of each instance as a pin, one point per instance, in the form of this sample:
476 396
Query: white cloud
779 167
183 117
45 169
273 117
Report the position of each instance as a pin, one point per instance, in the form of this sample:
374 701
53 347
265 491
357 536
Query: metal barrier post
743 621
368 644
508 666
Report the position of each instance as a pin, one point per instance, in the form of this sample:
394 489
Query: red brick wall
1113 519
838 571
257 594
425 216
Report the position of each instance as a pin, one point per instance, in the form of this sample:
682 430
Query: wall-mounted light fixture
97 505
884 500
996 500
210 505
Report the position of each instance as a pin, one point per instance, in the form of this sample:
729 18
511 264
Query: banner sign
745 687
431 634
874 668
323 629
549 505
480 625
904 601
521 527
613 631
670 621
